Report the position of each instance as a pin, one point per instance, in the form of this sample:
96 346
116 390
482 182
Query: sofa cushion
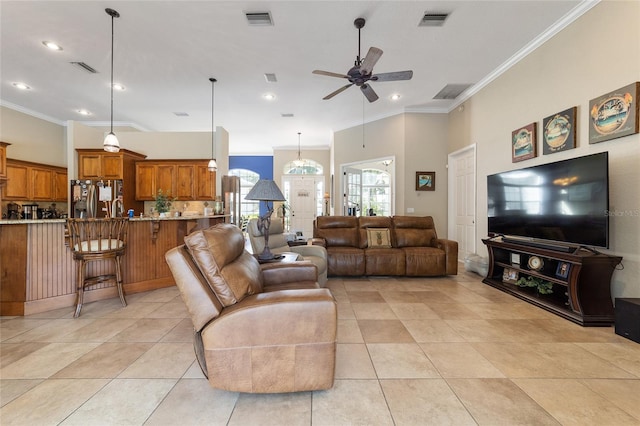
414 231
384 261
231 272
348 261
378 238
337 230
425 261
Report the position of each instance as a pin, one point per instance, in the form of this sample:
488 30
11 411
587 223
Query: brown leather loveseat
258 328
382 245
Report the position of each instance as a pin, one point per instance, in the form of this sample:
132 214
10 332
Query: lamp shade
265 190
111 143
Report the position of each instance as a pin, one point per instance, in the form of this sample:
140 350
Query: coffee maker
13 211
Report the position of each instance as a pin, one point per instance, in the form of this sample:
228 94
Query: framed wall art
523 143
425 181
559 131
614 114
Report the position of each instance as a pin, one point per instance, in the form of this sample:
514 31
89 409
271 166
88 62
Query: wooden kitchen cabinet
181 179
205 183
60 185
27 181
3 159
98 164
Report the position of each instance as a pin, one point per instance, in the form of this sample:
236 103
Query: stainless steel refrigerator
96 198
231 194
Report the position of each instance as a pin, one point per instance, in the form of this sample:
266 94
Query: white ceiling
165 52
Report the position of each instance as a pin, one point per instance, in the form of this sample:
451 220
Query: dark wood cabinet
581 279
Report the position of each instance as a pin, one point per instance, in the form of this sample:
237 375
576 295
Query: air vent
259 18
286 115
433 19
181 114
84 66
451 91
270 77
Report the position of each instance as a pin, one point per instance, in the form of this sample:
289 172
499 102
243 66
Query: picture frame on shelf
559 131
562 271
524 142
510 275
425 181
614 114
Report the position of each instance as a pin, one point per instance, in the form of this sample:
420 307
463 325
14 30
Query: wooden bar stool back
92 240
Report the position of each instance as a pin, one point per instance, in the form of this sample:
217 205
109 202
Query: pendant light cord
112 38
213 81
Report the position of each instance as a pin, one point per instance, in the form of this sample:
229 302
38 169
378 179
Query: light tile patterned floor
410 352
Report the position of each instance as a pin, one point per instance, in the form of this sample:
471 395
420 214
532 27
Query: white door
462 200
352 202
303 202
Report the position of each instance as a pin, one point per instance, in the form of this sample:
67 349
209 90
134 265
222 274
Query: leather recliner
258 328
278 244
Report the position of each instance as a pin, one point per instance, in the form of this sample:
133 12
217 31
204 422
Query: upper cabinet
3 160
27 181
99 164
181 179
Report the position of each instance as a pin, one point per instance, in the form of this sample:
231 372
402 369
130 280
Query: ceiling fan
362 71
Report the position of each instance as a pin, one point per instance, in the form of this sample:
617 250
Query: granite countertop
133 219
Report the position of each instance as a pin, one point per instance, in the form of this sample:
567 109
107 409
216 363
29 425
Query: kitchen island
38 273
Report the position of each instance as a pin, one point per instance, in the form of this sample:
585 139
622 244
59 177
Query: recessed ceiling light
21 86
269 96
83 112
52 45
118 86
394 97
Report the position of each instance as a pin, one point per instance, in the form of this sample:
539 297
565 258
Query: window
248 179
309 167
376 192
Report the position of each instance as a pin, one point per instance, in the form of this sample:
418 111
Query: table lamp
265 190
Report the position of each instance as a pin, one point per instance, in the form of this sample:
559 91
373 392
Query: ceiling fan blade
370 60
393 76
340 90
330 74
369 93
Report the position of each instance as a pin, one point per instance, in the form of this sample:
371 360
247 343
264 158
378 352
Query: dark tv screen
565 201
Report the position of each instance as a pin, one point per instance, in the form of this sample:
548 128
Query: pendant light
299 162
111 143
212 166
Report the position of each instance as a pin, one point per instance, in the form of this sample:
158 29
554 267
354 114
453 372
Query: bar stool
91 240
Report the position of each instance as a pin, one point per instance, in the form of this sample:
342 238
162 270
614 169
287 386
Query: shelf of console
582 295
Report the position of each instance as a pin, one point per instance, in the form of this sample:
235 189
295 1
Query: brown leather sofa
382 245
258 328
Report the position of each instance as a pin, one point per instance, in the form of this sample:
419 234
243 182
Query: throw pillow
378 238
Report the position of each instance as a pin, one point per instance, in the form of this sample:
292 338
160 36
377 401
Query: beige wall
418 143
32 139
578 64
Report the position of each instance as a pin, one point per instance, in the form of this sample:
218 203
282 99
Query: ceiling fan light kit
362 71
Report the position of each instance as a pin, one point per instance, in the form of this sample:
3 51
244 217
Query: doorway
462 200
304 195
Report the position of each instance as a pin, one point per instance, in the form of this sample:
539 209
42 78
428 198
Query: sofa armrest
291 272
450 248
307 250
277 318
317 241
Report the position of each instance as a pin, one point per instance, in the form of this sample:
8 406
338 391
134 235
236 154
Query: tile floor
430 351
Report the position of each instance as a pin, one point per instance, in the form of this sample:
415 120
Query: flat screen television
566 201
